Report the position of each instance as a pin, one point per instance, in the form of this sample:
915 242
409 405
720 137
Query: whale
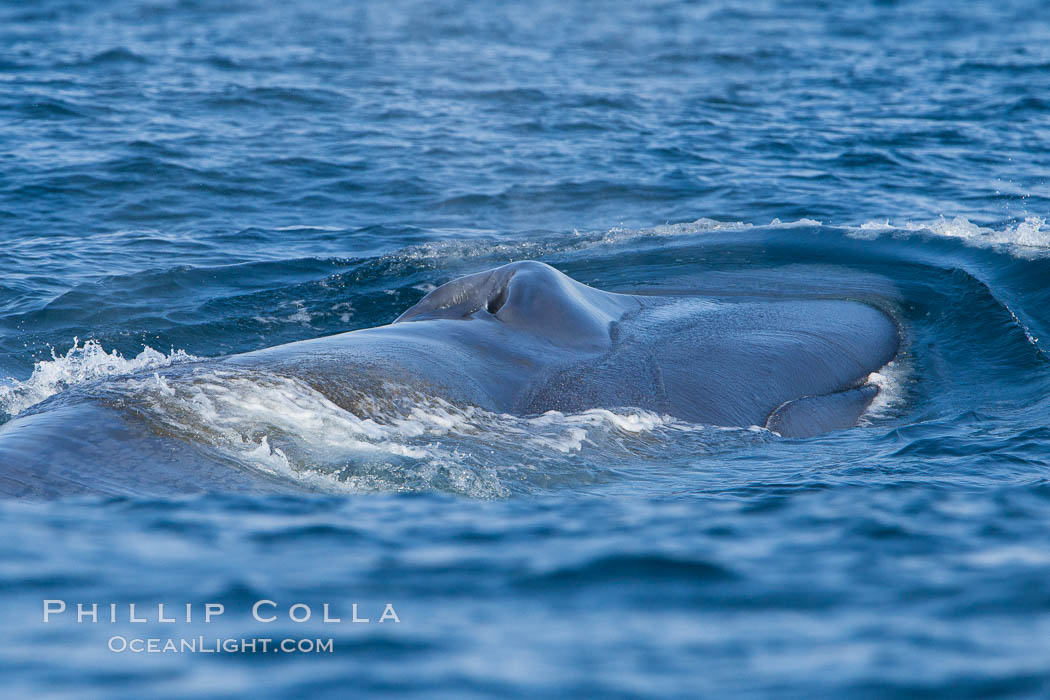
520 339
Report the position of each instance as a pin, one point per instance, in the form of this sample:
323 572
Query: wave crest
1022 239
79 365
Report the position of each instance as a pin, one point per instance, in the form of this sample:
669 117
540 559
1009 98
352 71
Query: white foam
777 223
238 407
890 381
81 364
282 425
1024 239
1031 232
345 310
390 439
568 433
618 234
1029 236
299 315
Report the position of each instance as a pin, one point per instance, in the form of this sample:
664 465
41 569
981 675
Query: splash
702 225
81 364
393 438
1025 239
891 381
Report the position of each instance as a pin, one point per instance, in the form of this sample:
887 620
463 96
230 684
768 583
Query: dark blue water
209 178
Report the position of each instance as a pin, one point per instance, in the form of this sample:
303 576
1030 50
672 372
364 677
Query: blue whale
520 339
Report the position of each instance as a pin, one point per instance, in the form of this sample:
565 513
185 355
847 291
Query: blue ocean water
188 179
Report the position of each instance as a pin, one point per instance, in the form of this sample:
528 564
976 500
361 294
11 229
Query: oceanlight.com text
218 645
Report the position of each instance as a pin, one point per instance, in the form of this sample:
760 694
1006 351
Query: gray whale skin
521 339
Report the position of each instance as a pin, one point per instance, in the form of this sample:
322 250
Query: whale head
531 297
797 366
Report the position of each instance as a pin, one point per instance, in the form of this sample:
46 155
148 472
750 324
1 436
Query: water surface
202 179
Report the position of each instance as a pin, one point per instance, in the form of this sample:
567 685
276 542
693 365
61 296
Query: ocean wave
1025 239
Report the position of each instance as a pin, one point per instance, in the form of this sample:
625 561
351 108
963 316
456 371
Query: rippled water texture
187 180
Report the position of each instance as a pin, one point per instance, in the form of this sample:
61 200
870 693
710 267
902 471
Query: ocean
182 179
